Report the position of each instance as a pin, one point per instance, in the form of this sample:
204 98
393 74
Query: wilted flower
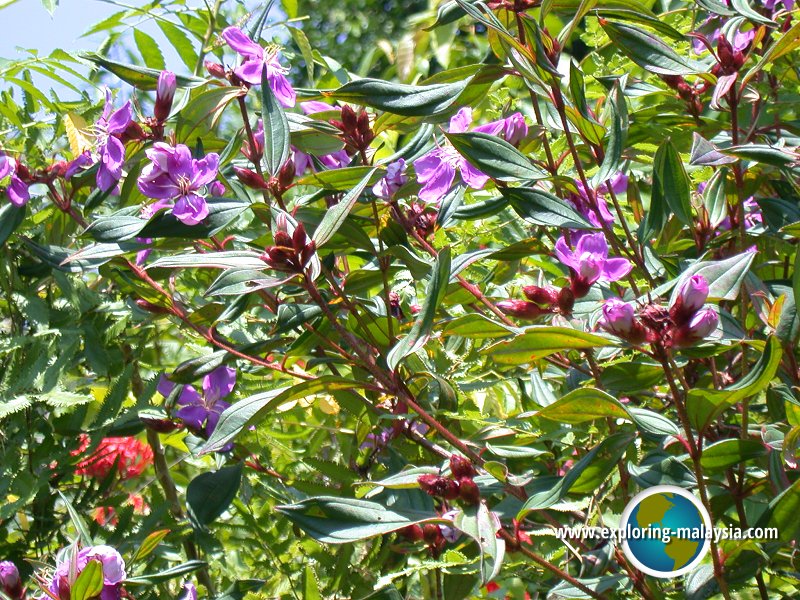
200 411
589 262
113 571
110 148
128 455
17 190
394 179
174 175
256 59
165 93
10 582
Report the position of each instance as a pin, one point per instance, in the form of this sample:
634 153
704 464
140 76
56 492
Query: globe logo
666 531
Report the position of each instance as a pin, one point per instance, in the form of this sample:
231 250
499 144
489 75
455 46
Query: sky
27 24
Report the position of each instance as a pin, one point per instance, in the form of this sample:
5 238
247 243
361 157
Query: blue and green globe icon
666 531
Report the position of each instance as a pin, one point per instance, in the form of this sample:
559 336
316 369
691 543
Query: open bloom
110 149
17 190
174 175
256 59
113 571
128 455
437 169
589 262
394 179
200 411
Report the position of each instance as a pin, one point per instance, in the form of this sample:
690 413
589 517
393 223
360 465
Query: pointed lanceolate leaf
342 520
617 135
421 330
539 341
210 494
399 98
649 51
670 175
276 128
584 404
334 218
543 208
495 157
139 77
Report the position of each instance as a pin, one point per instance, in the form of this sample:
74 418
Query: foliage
376 318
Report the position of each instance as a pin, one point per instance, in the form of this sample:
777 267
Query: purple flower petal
17 191
315 106
206 170
472 176
193 417
189 397
165 386
240 43
592 244
564 254
119 119
435 175
461 121
218 384
190 209
283 90
250 71
616 268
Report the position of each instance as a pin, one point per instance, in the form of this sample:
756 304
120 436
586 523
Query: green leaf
724 277
495 157
149 544
230 259
343 520
539 341
728 453
649 51
248 411
420 331
542 208
139 77
714 199
305 50
179 571
399 98
334 218
617 136
670 175
210 494
704 406
481 525
149 50
584 404
476 326
276 128
77 521
180 41
11 217
341 180
89 583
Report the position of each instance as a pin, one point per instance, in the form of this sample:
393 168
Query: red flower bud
540 295
431 533
468 491
437 486
250 178
566 301
412 533
521 309
215 69
461 467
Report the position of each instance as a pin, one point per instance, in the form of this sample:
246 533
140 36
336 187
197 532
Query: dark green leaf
649 51
495 157
542 208
334 218
210 494
276 128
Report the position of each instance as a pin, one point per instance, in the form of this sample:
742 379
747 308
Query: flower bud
250 178
691 297
286 175
216 189
468 491
539 295
349 119
215 69
618 317
413 533
437 486
566 301
10 582
461 467
165 93
522 309
702 324
515 129
431 533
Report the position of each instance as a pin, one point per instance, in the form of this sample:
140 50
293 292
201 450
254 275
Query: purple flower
450 533
113 571
394 179
315 106
189 592
512 129
771 4
691 295
753 218
303 161
437 169
17 190
165 93
589 262
110 149
582 203
217 188
200 411
10 582
699 326
79 163
618 317
255 60
175 176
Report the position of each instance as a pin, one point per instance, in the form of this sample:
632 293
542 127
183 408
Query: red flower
130 456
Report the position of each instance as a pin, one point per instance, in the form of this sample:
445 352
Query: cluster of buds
422 219
434 536
10 581
683 324
729 59
460 485
292 250
540 301
356 131
686 92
